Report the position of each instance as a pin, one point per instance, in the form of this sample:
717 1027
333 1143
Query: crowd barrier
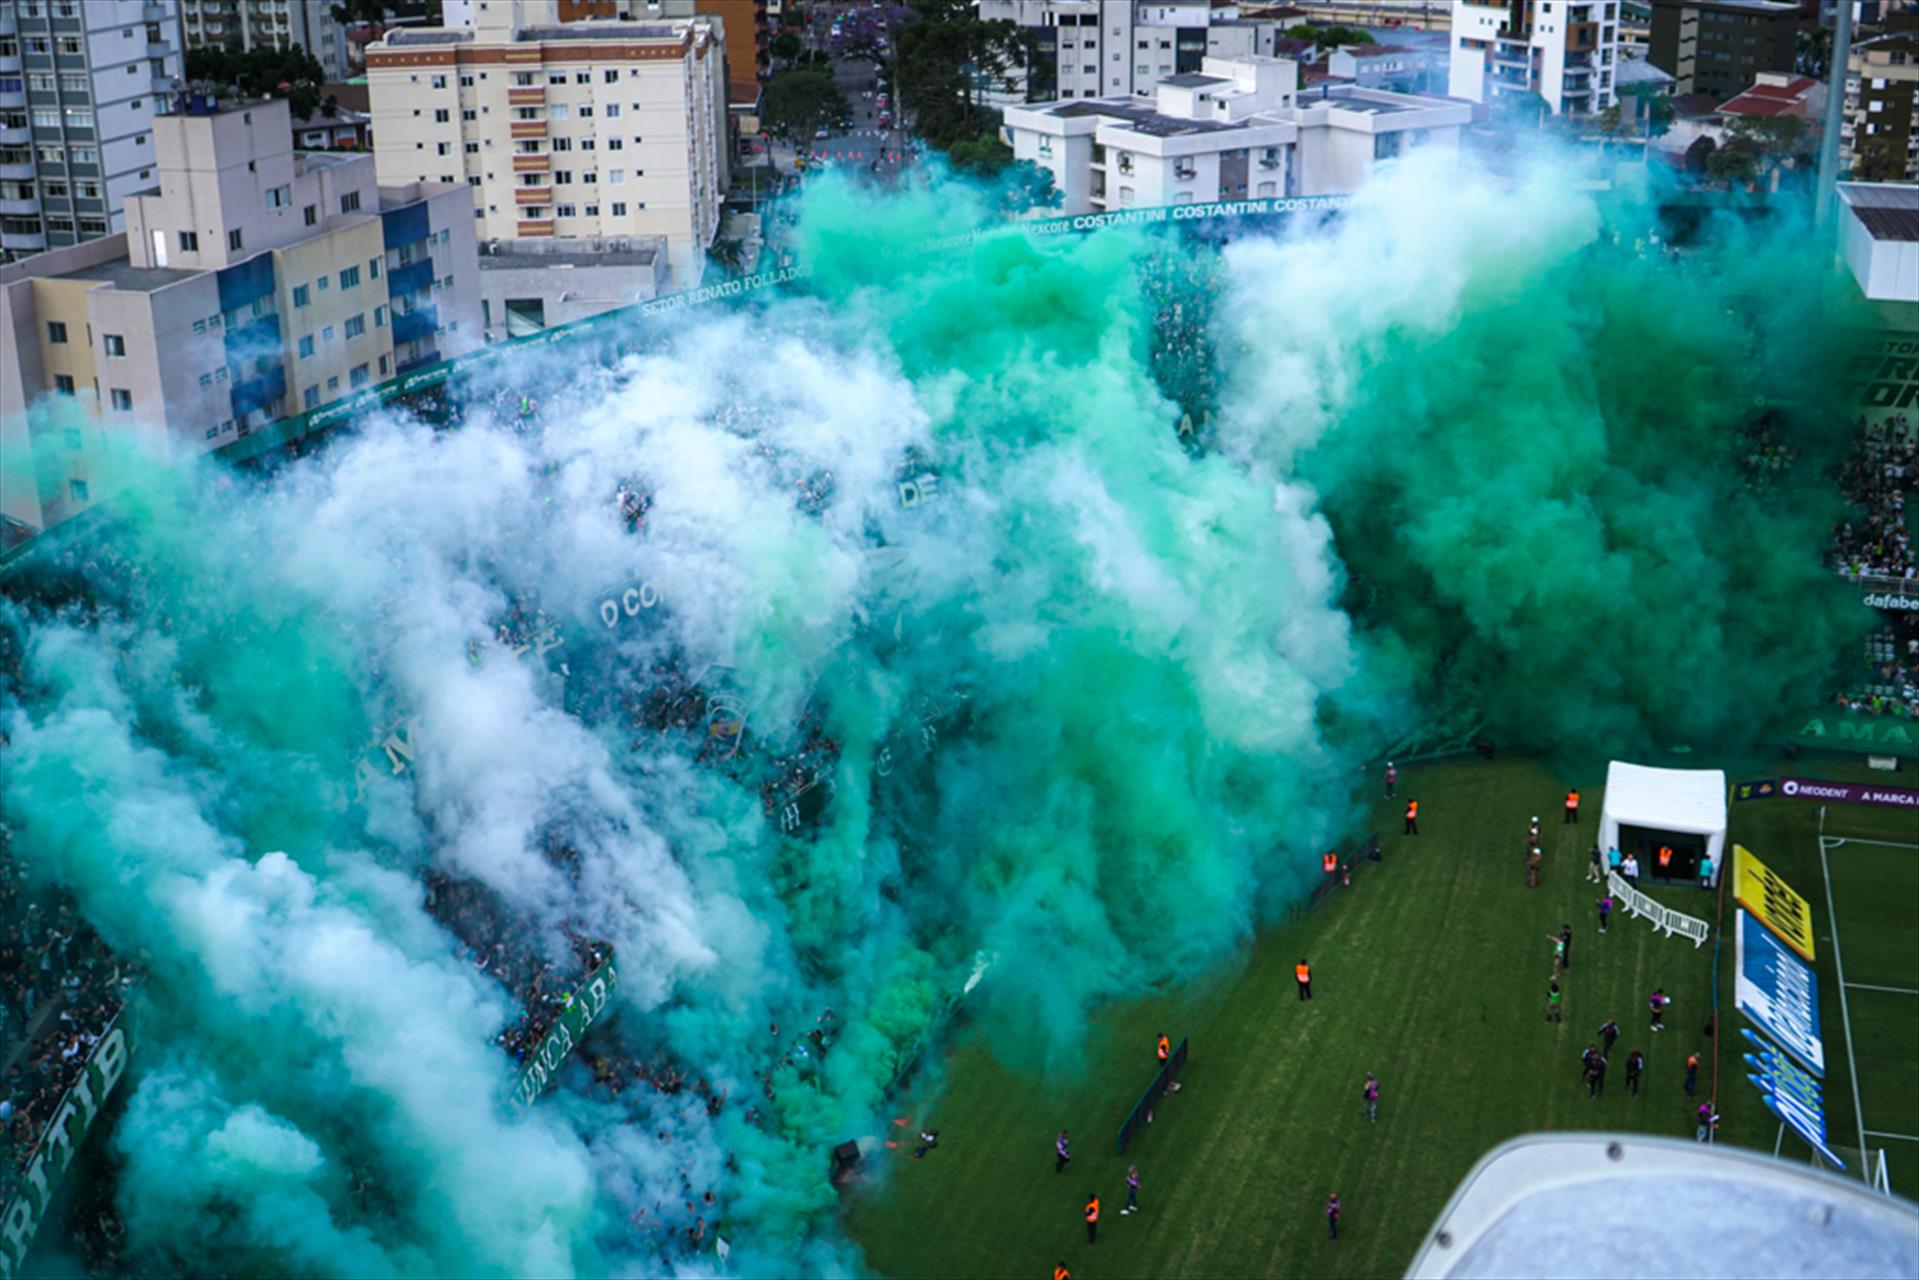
1662 916
1362 854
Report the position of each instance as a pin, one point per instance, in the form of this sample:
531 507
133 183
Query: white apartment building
80 81
1238 129
1104 48
1562 50
591 132
255 283
267 24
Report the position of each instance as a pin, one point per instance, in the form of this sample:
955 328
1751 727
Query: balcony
415 324
523 129
535 228
16 98
29 241
533 195
20 206
9 62
526 96
540 163
412 278
17 135
258 392
16 170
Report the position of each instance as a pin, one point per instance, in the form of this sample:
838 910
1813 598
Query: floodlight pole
1825 193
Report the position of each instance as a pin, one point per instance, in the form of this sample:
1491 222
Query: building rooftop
512 260
1192 80
1771 99
402 37
124 276
1139 115
1639 71
1373 50
601 31
1889 211
341 116
1349 97
308 161
1755 7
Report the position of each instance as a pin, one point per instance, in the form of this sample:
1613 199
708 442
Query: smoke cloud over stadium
830 652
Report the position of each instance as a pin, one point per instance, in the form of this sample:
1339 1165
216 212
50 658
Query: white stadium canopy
1683 801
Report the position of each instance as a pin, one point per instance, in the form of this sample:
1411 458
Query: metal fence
1142 1113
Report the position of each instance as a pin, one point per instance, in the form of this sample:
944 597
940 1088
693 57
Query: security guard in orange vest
1665 859
1412 817
1329 863
1092 1218
1572 808
1060 1272
1165 1047
1303 974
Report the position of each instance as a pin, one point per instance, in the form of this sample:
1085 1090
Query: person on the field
1566 936
1332 1216
1062 1152
1609 1032
1692 1073
1392 779
1586 1057
1559 953
1635 1064
1604 904
1092 1218
1553 1012
1412 817
1132 1189
1595 1075
1533 859
1303 975
1657 1003
1630 869
1613 859
1705 871
1595 867
1572 808
1369 1097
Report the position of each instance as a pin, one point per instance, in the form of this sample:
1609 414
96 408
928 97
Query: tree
787 46
1025 186
1329 37
347 12
1660 113
291 73
1734 165
799 102
1612 121
942 61
1700 154
1876 160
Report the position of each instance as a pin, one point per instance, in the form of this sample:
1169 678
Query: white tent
1682 801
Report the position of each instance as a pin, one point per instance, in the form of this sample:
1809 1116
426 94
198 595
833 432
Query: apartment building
1240 128
1719 47
1563 51
80 81
588 132
1102 48
267 24
255 282
1880 131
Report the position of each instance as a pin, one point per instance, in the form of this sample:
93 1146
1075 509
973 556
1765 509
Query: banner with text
1772 901
82 1102
587 1006
1779 992
1789 1093
1849 792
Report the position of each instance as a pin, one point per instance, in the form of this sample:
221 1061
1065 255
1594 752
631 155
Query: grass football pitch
1431 971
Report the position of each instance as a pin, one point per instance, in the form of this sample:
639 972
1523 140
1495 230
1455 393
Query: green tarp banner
588 1004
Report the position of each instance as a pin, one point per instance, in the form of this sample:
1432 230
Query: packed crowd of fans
1181 287
1875 539
60 989
1888 682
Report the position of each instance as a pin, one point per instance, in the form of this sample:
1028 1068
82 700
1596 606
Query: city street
865 142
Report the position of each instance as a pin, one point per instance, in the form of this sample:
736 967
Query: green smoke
1096 704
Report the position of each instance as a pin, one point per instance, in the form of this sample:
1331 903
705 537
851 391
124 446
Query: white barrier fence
1662 917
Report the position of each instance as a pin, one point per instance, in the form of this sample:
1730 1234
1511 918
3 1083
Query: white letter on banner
610 613
111 1060
17 1231
399 744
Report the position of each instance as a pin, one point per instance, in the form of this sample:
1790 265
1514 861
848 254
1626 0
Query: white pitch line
1899 1137
1898 991
1845 1014
1833 842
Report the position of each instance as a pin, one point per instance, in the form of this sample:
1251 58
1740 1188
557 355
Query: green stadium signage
582 1011
79 1107
1879 734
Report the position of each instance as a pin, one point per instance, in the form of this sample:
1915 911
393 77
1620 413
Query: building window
556 111
115 344
564 211
386 365
615 144
279 197
310 398
613 112
77 489
439 82
234 239
615 177
466 81
556 77
591 176
349 202
312 214
373 268
349 278
122 400
379 317
302 295
56 332
619 208
611 77
62 384
326 333
562 177
355 326
586 112
306 346
190 243
442 116
333 383
206 379
359 376
325 283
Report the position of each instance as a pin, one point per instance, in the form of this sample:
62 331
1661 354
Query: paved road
864 144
